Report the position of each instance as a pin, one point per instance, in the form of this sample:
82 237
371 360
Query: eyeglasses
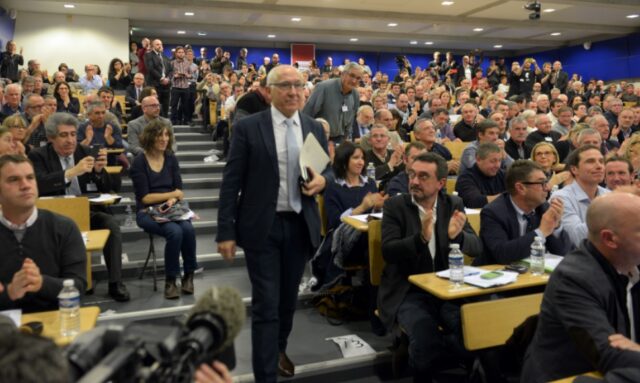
541 183
544 154
421 176
17 127
288 85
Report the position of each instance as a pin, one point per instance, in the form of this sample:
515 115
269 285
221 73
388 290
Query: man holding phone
63 167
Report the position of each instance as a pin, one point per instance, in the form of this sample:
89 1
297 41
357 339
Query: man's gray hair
418 127
587 132
520 120
57 119
362 108
93 105
350 66
595 119
11 86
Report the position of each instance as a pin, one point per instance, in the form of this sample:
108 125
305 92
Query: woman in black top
119 77
66 102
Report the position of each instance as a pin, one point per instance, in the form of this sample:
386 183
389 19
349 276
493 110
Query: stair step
190 181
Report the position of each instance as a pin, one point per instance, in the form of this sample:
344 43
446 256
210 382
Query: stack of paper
473 276
365 217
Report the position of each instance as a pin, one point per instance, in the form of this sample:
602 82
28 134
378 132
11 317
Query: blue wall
606 60
7 28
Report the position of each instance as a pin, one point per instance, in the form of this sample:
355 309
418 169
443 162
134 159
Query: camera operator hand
217 373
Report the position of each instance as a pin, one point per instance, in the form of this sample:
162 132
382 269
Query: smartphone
95 150
164 206
491 275
518 267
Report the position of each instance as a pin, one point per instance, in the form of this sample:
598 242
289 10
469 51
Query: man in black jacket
417 229
159 74
63 167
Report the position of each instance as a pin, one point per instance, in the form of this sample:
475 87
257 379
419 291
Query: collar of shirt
343 182
279 118
580 195
423 212
13 227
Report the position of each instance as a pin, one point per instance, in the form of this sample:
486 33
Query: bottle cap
67 283
454 246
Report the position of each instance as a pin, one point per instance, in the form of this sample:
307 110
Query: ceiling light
549 10
392 25
189 14
353 39
498 46
632 16
556 34
447 3
296 19
202 34
428 43
71 6
181 32
271 36
413 42
478 29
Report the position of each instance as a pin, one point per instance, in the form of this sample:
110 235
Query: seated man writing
39 248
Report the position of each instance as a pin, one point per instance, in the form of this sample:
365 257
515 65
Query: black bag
342 303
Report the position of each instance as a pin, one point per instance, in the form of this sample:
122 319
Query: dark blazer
252 170
500 234
50 176
73 107
130 95
562 81
355 130
583 304
474 187
153 65
405 254
512 150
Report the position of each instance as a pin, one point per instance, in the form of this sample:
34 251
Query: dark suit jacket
50 176
355 130
405 254
512 150
500 234
130 95
562 81
153 65
584 303
252 170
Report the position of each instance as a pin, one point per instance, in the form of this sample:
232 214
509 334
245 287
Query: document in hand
313 156
473 276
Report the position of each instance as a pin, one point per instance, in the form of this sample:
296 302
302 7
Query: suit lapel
512 216
269 138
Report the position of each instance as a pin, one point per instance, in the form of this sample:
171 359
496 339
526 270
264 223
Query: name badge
91 187
43 143
548 139
345 108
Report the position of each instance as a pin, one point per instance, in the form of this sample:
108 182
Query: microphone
214 321
7 326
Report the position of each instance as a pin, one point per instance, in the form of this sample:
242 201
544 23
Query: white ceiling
331 23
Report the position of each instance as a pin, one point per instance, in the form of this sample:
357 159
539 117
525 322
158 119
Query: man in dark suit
63 167
559 78
275 220
510 223
159 74
590 314
134 91
417 229
362 123
516 146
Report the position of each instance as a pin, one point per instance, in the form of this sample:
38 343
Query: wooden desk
96 239
572 378
115 150
114 169
358 225
443 289
51 322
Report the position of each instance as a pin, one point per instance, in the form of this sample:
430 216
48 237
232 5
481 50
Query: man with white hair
91 81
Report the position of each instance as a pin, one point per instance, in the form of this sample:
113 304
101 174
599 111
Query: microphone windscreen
226 303
6 325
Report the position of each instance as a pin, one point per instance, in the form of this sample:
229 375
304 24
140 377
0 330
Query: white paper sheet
352 345
14 315
363 217
104 198
473 276
313 156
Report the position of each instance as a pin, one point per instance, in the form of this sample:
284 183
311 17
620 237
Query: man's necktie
293 167
530 221
73 188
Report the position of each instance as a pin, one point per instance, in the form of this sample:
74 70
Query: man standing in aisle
159 74
276 221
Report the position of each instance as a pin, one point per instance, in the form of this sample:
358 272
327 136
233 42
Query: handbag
178 212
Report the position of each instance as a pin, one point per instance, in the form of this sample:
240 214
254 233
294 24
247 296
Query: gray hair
352 65
587 132
362 108
11 86
57 119
487 148
417 127
274 75
527 114
520 120
596 118
93 105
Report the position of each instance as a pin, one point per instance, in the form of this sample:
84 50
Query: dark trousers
113 248
275 272
190 104
179 101
420 315
164 93
180 237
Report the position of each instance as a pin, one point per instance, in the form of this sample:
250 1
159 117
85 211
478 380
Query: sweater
474 187
340 198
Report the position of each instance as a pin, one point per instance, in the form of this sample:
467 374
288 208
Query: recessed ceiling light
70 6
498 46
181 32
202 34
556 34
296 19
632 16
549 10
413 42
392 25
447 3
271 36
428 43
353 39
478 29
189 14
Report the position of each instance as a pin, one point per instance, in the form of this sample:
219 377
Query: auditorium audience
155 174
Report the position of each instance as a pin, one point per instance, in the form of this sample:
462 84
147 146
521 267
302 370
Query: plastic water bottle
69 303
129 221
537 256
456 265
371 171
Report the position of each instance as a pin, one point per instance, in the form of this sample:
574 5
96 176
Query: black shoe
118 291
286 368
171 290
187 284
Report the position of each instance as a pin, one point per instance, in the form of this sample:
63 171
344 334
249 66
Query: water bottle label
69 302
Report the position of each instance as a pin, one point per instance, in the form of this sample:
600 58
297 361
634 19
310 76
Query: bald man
590 314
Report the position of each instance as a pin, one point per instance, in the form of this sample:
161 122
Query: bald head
608 212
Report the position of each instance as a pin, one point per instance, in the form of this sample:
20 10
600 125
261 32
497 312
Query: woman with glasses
66 102
546 155
14 129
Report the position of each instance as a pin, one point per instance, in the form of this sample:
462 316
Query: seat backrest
376 262
491 323
213 113
451 184
456 148
75 208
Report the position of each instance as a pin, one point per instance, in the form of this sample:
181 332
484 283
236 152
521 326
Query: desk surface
572 378
115 150
357 224
51 322
96 239
114 169
443 289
